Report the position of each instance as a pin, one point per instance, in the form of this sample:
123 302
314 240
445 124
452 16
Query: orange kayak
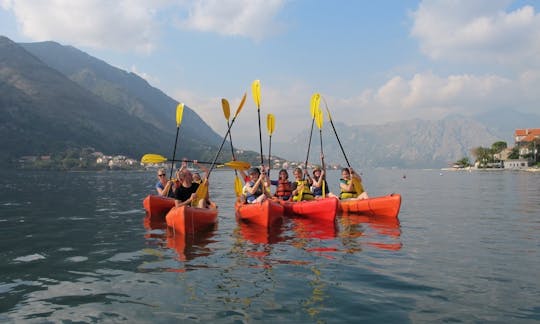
186 219
322 209
387 206
156 207
265 214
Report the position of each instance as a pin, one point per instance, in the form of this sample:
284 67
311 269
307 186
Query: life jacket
284 189
251 197
306 192
348 194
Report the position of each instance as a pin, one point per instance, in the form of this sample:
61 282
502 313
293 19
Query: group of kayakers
257 185
304 187
184 187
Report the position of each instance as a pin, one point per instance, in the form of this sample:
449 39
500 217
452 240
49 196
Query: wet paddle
202 191
358 186
156 158
270 125
227 113
179 114
256 92
319 122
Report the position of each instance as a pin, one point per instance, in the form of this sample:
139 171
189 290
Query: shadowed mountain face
54 97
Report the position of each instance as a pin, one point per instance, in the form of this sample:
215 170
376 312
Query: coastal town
524 155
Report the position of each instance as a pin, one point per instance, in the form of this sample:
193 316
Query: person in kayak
284 186
317 184
300 187
346 184
255 189
164 187
185 192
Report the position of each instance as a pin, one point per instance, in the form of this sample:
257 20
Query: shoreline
531 169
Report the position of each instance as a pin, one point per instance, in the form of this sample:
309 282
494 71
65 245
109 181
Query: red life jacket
283 189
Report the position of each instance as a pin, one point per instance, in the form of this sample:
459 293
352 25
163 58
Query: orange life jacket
283 189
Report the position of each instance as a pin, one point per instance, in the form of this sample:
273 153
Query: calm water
74 247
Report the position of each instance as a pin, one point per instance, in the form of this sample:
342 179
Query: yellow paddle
319 121
227 113
356 183
156 158
203 192
270 125
179 114
256 92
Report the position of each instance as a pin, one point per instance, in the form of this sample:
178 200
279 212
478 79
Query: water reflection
380 232
187 246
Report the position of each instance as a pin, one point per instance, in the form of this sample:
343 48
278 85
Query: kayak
186 219
156 207
265 213
387 206
322 209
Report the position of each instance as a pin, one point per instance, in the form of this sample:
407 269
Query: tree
463 162
483 155
498 147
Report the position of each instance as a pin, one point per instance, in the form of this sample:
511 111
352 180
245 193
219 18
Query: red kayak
186 219
265 214
156 207
322 209
387 206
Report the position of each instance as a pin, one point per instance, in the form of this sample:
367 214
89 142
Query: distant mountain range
54 97
411 143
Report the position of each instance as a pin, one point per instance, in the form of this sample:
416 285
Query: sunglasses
161 175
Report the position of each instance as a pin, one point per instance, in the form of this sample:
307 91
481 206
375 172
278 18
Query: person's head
317 171
254 173
345 173
283 174
185 176
196 177
162 174
297 173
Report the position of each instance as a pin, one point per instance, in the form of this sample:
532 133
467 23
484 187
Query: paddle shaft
260 136
309 145
221 146
269 154
232 148
174 151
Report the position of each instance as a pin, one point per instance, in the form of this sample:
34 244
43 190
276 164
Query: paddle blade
357 186
179 113
238 165
238 186
240 105
201 193
314 104
319 118
153 158
256 91
270 123
226 108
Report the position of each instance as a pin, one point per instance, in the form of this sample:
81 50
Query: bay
75 247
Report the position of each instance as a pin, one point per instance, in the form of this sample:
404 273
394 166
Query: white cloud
478 31
247 18
122 25
429 96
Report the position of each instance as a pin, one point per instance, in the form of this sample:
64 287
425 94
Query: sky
373 62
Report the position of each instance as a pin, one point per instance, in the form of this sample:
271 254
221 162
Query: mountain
409 144
122 89
503 122
79 101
